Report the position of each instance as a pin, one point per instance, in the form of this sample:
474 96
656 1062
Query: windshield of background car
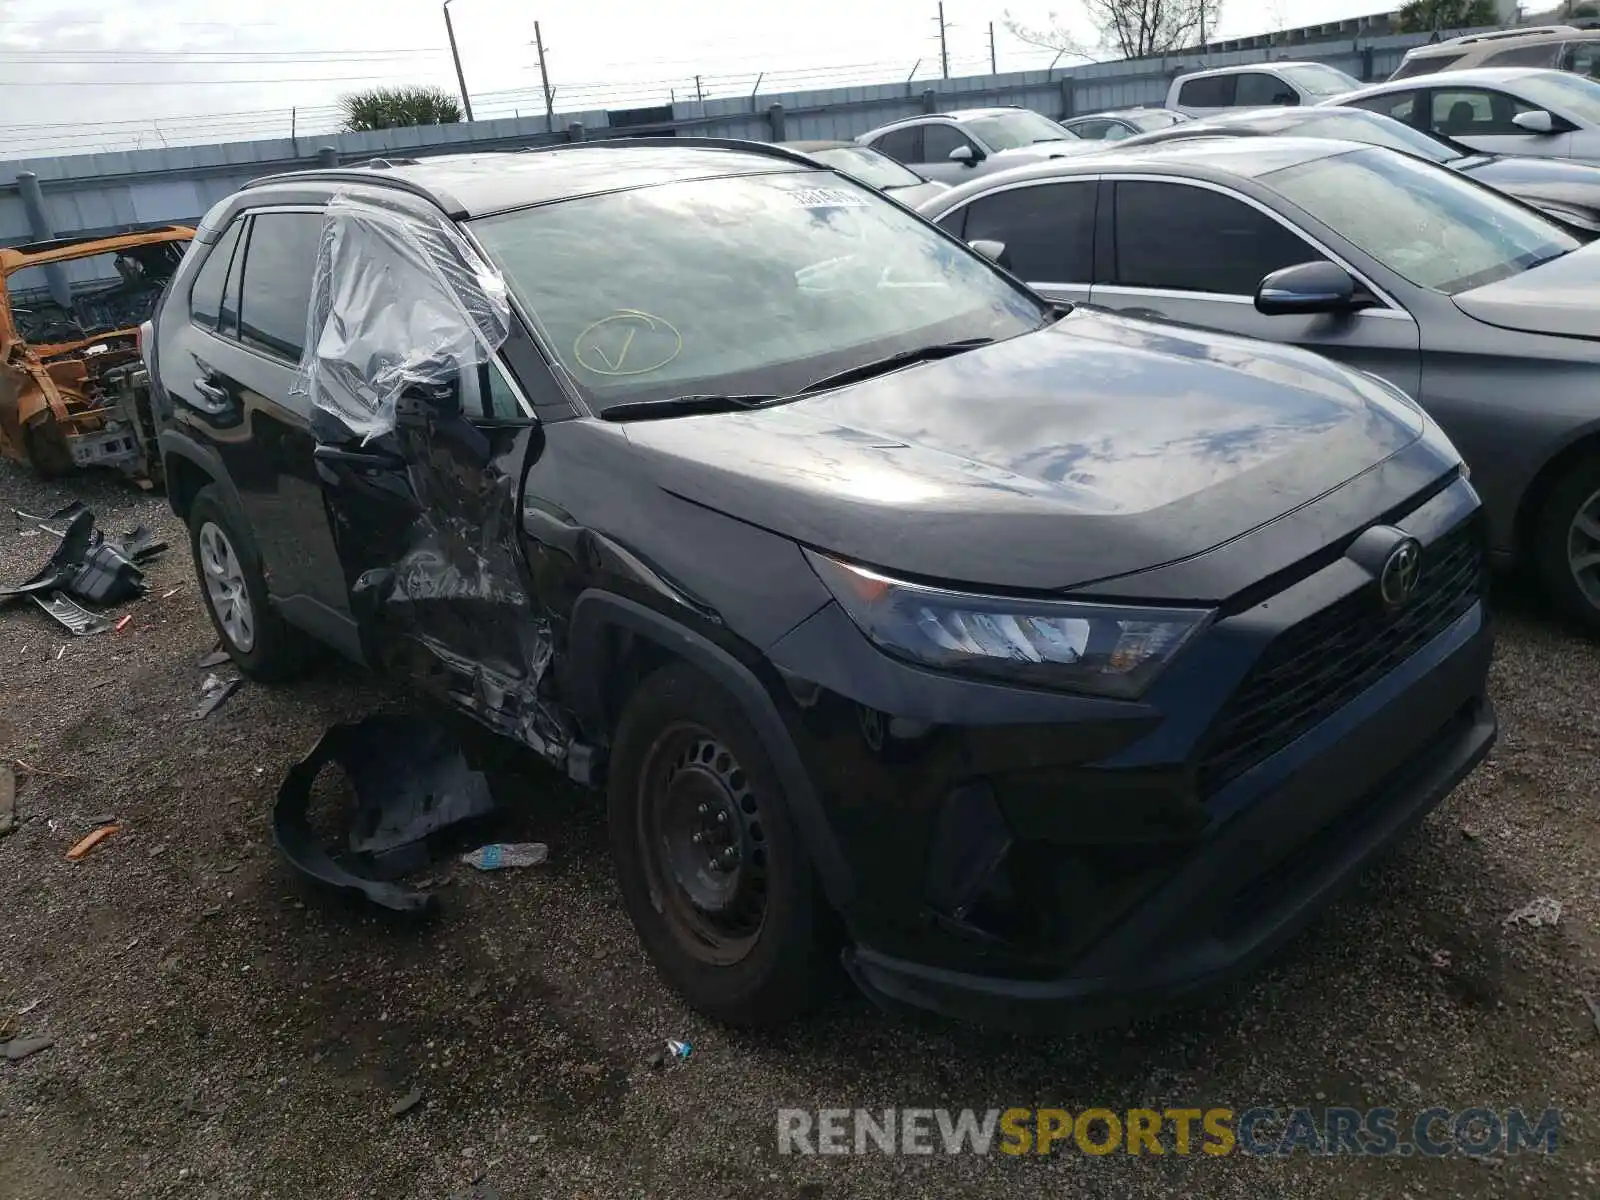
1008 131
747 284
869 166
1426 224
1375 131
1565 93
1314 79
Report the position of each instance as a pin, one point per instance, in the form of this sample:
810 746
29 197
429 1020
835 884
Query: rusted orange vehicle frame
47 397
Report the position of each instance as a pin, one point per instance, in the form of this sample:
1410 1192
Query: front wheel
711 868
1567 544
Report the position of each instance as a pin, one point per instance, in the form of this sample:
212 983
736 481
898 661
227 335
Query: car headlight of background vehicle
1103 649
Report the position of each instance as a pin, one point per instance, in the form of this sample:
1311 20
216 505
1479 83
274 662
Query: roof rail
770 149
1502 34
368 173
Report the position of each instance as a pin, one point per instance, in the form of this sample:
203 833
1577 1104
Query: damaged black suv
1042 664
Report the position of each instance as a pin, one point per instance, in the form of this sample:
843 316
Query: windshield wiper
879 366
683 406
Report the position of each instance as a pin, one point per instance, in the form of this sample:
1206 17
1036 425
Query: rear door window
1048 229
1192 239
1538 55
1095 130
902 145
279 259
1402 106
1212 91
205 298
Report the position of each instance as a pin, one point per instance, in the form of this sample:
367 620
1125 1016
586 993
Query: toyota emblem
1400 573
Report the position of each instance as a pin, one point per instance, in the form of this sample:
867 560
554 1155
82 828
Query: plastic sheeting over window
399 299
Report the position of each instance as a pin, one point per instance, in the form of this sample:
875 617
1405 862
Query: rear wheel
711 868
226 562
1567 544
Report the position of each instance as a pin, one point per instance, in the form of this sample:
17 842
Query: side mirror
994 251
1537 121
1313 287
966 155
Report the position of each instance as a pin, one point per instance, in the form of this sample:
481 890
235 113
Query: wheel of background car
228 568
712 870
1567 542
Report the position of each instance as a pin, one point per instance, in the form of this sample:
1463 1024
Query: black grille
1316 667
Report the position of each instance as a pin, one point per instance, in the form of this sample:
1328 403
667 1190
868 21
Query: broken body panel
73 390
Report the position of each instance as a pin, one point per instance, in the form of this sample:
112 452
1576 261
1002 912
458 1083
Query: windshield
1563 92
1375 130
1314 79
1427 225
757 283
869 166
1008 131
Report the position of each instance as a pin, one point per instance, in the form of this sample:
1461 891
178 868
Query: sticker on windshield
827 197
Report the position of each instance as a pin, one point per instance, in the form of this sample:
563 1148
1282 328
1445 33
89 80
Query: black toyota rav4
1041 663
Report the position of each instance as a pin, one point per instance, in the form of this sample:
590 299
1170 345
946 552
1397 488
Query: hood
1556 298
1098 446
914 194
1555 180
1040 151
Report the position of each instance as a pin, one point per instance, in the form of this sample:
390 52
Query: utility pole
993 70
698 94
544 82
466 100
944 50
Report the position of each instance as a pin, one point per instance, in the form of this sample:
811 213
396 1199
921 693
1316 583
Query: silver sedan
1479 308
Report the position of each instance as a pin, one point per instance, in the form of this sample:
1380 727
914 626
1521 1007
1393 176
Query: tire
263 646
683 747
1568 533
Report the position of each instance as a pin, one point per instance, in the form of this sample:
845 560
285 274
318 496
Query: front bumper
1217 916
1042 861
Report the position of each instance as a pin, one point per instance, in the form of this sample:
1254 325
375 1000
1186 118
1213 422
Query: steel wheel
224 580
702 844
1583 548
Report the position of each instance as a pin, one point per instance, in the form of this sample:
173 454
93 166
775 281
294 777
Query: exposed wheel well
628 660
1539 490
185 478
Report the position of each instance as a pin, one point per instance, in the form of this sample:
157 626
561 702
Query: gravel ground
220 1032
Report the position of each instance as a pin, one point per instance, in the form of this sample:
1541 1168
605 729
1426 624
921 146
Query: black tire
760 977
1556 535
275 650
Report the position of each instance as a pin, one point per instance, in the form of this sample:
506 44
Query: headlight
1104 649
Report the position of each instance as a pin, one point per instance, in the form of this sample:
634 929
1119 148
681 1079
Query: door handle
361 460
211 391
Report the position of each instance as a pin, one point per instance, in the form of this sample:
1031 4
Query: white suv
1257 85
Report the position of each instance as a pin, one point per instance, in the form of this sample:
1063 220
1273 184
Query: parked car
1061 662
873 169
955 146
1496 110
1122 123
1478 307
1561 47
1567 191
1257 85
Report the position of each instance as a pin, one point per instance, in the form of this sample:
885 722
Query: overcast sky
82 76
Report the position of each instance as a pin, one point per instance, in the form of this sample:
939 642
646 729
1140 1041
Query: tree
1428 16
398 107
1132 28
